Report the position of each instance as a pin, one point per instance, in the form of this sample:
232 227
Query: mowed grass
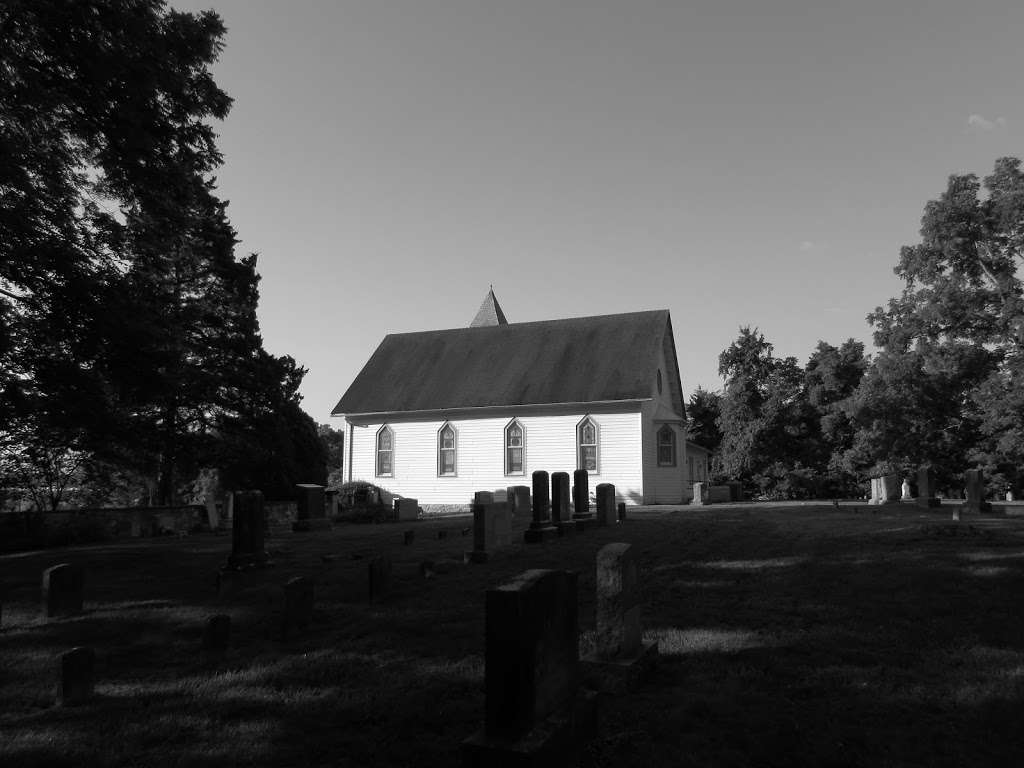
806 636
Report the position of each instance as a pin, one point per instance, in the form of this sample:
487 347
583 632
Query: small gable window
666 446
586 445
515 443
385 452
446 450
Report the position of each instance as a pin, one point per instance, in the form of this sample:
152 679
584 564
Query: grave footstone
561 514
581 499
247 531
310 512
621 659
926 488
535 712
540 527
217 635
492 528
75 685
297 611
975 494
379 577
63 588
605 504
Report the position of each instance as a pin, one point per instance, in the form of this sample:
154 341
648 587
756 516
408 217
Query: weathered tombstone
407 509
76 676
956 512
217 635
926 488
310 510
540 527
212 514
622 511
885 489
699 494
297 610
605 504
483 497
561 513
581 498
247 531
905 491
229 507
492 528
380 577
976 503
63 587
332 502
407 537
621 658
519 495
536 713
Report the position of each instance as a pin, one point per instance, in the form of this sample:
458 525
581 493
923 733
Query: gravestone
379 577
905 491
885 489
535 712
622 511
297 612
519 495
310 511
407 509
540 527
332 502
605 504
581 498
483 497
76 676
247 531
228 508
212 514
561 514
621 659
926 488
63 588
217 635
492 528
699 494
976 504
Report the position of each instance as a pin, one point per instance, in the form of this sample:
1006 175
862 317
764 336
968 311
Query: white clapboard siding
550 445
662 485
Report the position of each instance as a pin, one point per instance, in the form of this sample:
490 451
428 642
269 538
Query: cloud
982 124
807 245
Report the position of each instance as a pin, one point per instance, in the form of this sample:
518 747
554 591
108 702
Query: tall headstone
622 511
621 657
926 488
885 489
560 511
379 577
581 498
519 495
699 494
492 528
75 685
331 495
540 527
905 491
975 479
212 513
310 510
247 531
63 588
536 713
605 504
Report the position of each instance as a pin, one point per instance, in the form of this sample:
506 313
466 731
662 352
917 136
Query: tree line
130 350
945 388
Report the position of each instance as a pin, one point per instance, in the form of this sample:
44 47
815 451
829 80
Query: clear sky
738 162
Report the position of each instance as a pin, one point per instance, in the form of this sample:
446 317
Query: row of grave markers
889 489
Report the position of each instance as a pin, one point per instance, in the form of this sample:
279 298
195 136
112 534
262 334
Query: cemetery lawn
789 635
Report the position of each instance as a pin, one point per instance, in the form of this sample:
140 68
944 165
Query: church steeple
489 313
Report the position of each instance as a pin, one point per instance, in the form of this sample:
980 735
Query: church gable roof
576 360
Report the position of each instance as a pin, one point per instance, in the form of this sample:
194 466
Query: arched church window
446 450
385 452
515 447
586 445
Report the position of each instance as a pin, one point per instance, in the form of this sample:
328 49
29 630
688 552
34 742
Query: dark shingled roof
577 360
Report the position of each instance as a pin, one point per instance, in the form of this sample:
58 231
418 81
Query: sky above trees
738 163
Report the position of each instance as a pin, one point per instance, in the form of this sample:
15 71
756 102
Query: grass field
800 635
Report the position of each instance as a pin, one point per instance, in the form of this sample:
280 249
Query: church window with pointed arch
515 448
446 451
586 445
385 452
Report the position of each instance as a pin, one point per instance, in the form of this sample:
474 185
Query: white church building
438 415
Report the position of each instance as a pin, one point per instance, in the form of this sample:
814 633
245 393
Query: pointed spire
489 313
